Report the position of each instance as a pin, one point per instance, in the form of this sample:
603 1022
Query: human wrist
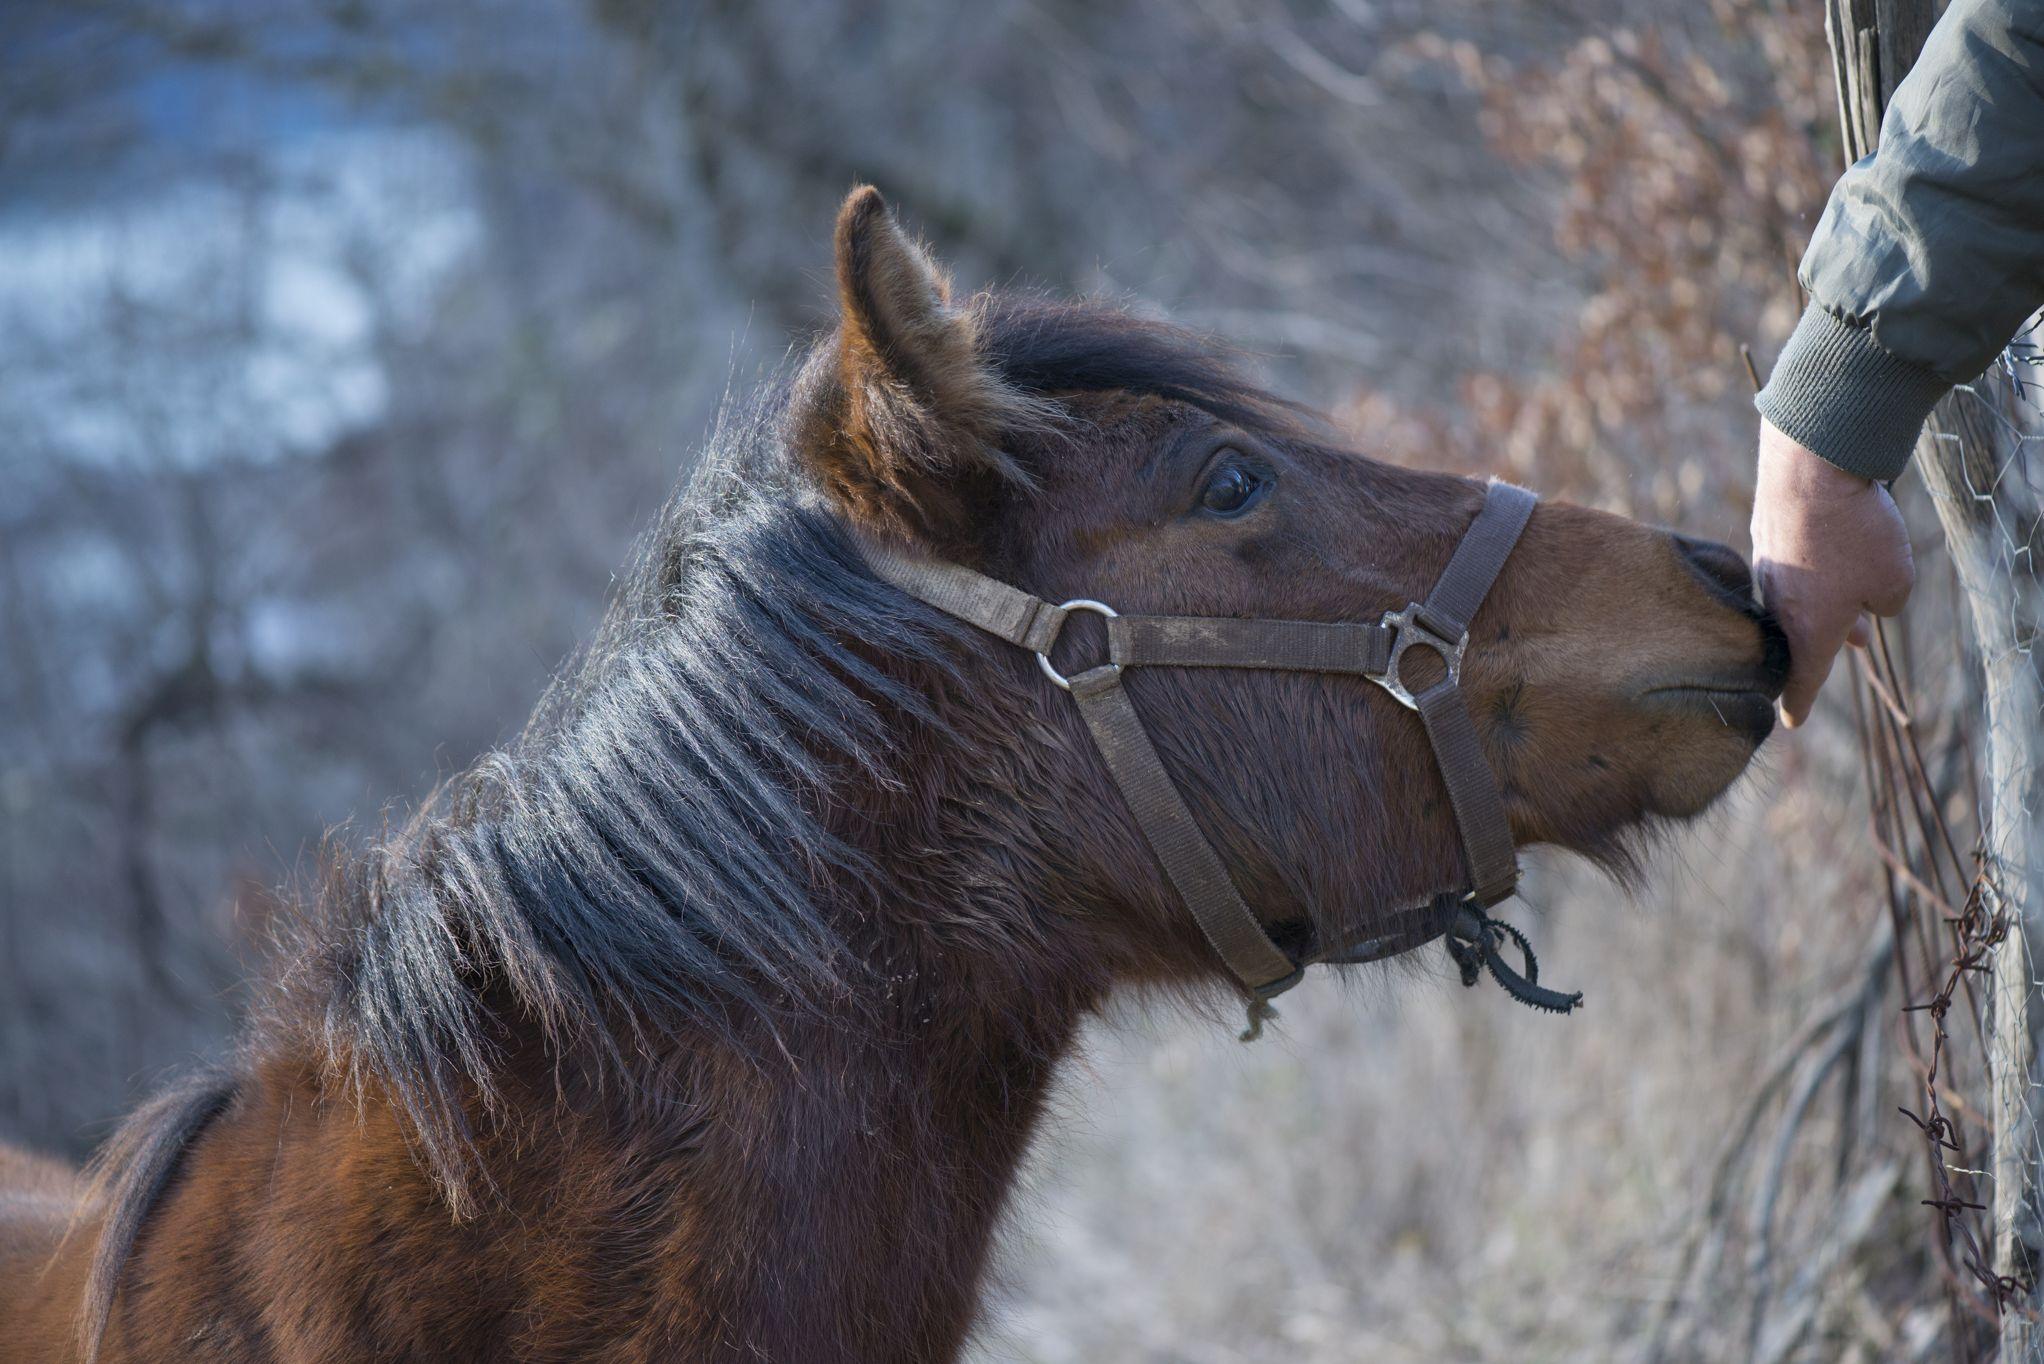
1787 466
1838 394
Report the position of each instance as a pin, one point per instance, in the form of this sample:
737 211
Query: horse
711 1018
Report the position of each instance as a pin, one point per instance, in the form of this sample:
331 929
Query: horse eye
1230 491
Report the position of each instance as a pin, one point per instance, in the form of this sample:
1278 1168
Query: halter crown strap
995 607
1375 651
1189 859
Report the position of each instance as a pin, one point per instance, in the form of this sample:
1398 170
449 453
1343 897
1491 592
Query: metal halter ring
1407 630
1075 604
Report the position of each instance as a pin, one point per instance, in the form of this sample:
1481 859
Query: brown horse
711 1020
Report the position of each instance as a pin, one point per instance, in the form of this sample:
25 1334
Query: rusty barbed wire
1920 873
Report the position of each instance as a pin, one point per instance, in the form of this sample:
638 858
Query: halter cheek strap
1375 651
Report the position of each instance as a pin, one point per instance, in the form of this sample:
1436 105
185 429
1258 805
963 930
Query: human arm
1928 258
1930 253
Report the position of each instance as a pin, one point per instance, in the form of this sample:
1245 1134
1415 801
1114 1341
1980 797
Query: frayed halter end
1473 941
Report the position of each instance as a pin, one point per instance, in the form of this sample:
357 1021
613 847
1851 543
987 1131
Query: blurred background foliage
345 346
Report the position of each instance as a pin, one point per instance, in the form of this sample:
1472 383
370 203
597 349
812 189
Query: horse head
1617 674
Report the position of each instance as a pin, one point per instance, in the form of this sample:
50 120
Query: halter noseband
1440 623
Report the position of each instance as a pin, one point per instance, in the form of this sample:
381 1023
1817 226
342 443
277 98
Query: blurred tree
1692 150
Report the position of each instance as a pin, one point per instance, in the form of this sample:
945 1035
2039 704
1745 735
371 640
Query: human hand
1828 548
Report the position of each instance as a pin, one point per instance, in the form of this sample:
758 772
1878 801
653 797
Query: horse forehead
1109 435
1096 478
1120 412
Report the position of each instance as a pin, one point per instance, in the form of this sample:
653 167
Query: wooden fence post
1972 460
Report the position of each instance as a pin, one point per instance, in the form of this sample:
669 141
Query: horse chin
1711 736
1745 711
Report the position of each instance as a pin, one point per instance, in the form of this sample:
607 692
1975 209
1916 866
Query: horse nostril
1719 565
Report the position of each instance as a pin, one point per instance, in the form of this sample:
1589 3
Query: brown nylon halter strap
1189 859
1480 818
1369 650
1219 642
995 607
1475 565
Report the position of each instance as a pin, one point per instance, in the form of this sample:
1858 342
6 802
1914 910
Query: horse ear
900 416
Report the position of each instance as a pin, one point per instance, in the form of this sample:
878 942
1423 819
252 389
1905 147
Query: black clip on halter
1473 940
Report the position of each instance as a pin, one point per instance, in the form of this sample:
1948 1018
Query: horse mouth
1744 708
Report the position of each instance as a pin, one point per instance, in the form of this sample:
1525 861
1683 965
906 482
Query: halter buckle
1408 627
1064 610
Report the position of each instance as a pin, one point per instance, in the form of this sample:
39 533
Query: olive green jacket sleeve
1930 254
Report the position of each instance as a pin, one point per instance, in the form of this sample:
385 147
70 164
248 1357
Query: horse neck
832 1191
701 1180
836 1184
821 1180
872 1166
835 1200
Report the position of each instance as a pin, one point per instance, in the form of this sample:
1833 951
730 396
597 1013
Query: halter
1440 624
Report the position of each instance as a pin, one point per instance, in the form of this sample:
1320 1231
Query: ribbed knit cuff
1837 392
